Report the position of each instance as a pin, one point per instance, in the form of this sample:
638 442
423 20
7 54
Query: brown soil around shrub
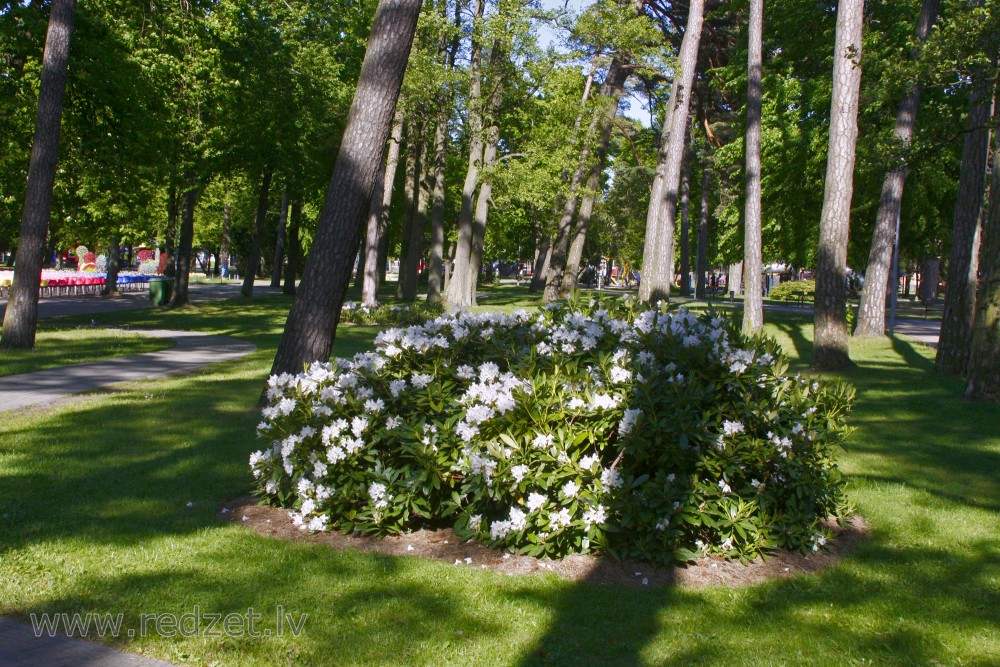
445 546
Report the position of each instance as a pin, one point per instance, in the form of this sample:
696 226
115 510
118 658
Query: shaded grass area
94 499
56 347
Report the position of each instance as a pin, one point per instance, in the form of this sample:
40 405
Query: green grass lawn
63 346
95 517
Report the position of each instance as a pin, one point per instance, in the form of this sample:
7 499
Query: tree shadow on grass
887 604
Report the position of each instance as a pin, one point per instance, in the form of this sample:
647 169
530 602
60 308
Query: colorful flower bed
605 426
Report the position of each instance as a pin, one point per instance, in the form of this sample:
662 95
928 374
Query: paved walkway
20 647
192 351
63 306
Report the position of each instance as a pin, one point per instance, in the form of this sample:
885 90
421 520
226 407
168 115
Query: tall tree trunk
658 270
226 250
541 266
253 259
378 215
543 259
559 250
611 92
831 335
434 277
929 276
170 234
457 293
182 269
411 189
114 263
279 243
871 314
686 218
753 300
963 263
482 214
701 262
312 322
294 247
415 248
983 374
21 318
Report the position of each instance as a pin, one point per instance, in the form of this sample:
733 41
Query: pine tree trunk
279 243
435 267
182 268
871 314
415 248
960 291
482 213
114 263
686 219
701 263
294 247
831 335
170 234
434 277
658 270
753 304
225 251
378 215
611 92
983 374
930 268
253 259
312 322
21 318
411 188
457 293
541 266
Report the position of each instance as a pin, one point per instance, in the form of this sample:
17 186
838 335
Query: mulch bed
444 545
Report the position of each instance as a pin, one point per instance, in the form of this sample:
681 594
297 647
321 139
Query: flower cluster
600 426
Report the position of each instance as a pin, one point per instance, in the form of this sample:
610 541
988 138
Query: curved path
192 351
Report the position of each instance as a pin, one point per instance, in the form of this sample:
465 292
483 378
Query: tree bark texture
482 213
114 263
753 304
871 314
701 261
983 376
963 264
657 268
170 234
830 312
411 189
611 93
457 293
930 271
294 247
182 267
253 259
686 219
312 322
418 224
541 267
598 134
378 214
279 242
21 318
226 250
436 261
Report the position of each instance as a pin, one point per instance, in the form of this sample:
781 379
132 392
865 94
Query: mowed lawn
109 505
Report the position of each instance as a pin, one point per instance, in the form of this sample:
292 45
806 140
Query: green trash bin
160 290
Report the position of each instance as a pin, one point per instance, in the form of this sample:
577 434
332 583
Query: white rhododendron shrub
604 427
